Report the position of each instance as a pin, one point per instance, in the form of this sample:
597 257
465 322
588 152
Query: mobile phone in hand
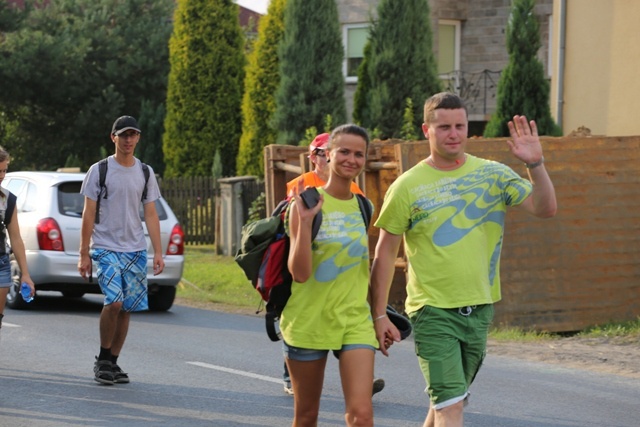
310 197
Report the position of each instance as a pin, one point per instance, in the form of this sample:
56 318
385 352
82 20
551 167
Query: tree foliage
70 68
149 149
260 86
361 111
12 16
523 87
400 65
408 131
311 80
205 88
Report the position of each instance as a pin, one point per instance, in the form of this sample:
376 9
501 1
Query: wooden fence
578 269
193 200
196 200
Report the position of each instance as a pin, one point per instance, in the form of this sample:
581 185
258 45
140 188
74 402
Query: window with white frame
449 52
354 39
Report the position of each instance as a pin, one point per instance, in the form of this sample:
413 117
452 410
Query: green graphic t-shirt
453 225
330 309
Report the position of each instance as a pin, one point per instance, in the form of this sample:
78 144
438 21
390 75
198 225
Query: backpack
8 214
103 165
263 255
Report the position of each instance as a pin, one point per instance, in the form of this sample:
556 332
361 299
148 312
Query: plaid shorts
122 277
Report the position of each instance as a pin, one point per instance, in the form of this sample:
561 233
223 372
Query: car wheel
14 299
162 298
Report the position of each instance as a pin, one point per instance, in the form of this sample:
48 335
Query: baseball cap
320 142
124 123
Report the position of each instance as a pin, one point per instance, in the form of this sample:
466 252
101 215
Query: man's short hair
446 100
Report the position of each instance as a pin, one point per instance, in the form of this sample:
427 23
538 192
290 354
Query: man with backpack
113 236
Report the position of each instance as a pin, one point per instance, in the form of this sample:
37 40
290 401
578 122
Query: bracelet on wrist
534 164
380 317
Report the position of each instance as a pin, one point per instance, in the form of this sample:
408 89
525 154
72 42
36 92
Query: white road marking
236 372
11 325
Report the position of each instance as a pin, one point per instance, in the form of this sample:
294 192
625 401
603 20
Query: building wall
602 56
355 11
483 44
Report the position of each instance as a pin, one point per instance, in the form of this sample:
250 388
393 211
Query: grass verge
216 279
211 278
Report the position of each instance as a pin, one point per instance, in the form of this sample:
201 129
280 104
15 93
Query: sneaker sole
378 385
103 381
121 381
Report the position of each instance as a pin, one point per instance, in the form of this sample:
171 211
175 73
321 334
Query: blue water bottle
25 291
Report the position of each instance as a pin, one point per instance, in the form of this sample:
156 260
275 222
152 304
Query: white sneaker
287 389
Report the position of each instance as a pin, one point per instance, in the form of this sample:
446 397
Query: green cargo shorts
451 345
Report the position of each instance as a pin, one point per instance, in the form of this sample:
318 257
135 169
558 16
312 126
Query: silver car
49 208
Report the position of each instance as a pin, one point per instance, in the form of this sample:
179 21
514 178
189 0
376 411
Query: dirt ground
614 355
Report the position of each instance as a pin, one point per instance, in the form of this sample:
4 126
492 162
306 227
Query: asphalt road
193 367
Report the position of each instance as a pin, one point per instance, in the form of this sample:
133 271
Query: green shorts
451 345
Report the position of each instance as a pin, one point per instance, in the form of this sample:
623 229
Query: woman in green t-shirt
328 308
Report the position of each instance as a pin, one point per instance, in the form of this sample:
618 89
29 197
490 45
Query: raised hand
526 143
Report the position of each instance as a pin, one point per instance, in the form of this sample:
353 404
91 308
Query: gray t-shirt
120 228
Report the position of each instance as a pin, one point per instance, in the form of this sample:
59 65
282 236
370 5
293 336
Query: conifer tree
311 80
361 112
204 93
400 65
522 88
150 150
261 83
408 131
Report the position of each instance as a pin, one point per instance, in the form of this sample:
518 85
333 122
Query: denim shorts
451 345
309 355
122 277
5 271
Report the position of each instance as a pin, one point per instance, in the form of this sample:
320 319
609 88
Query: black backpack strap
11 206
145 171
279 209
365 209
103 165
315 225
271 317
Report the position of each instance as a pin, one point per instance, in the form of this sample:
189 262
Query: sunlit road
192 367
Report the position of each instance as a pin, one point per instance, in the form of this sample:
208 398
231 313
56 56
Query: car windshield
71 202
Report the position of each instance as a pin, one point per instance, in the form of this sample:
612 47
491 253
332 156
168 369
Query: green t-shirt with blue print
331 309
453 224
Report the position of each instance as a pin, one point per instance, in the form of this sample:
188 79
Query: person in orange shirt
320 173
317 178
